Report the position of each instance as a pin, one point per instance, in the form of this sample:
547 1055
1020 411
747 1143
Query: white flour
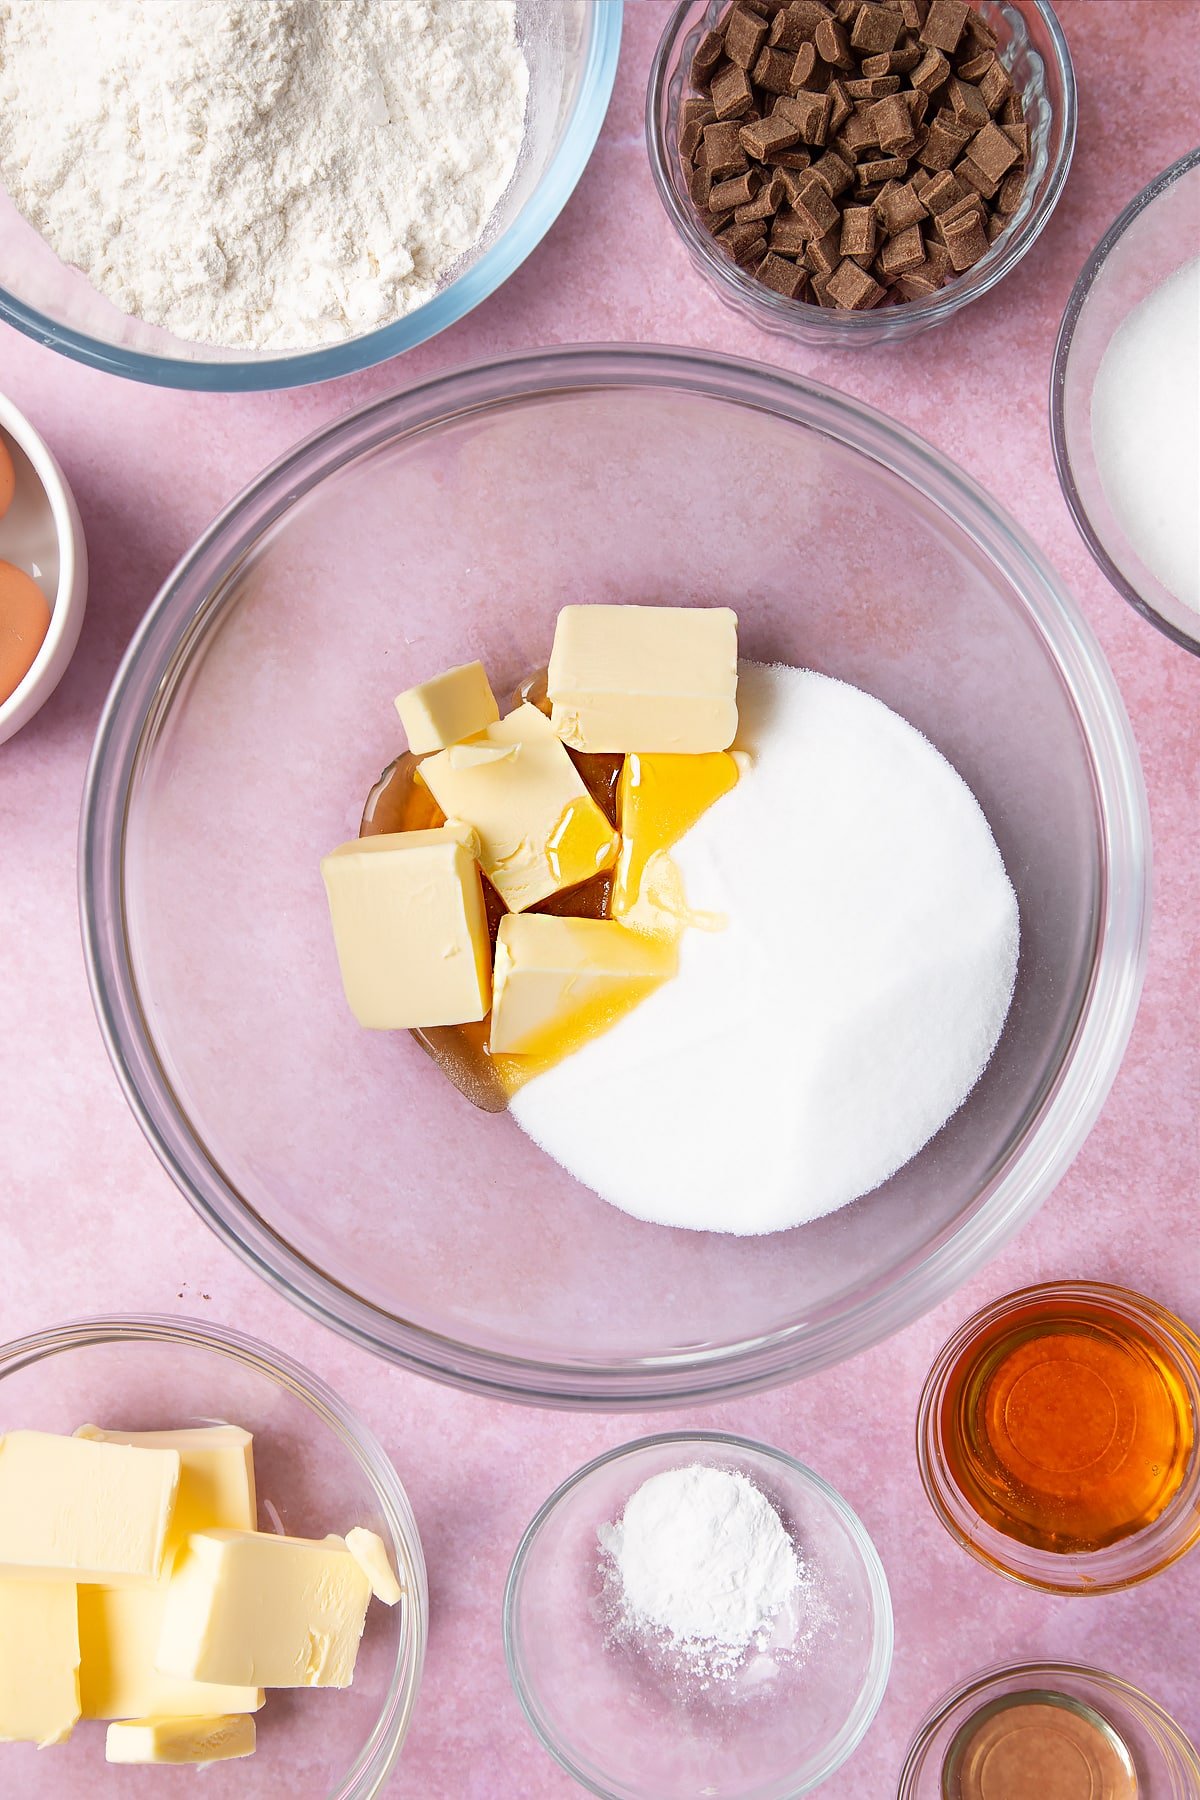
810 1049
702 1563
268 174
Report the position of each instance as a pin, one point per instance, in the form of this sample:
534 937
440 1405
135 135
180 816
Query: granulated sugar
811 1048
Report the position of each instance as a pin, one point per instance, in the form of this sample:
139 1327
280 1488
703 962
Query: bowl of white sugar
698 1614
1125 402
204 195
915 917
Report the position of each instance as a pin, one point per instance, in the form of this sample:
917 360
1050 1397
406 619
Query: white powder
273 174
1146 431
703 1563
807 1051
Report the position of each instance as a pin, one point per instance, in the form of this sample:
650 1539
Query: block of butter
264 1611
651 678
81 1511
410 927
215 1739
560 981
447 709
39 1662
119 1627
539 828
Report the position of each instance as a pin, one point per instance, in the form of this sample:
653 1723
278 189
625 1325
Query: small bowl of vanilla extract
1057 1437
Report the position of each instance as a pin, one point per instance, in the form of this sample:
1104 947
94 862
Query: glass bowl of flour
698 1614
202 195
1125 402
254 712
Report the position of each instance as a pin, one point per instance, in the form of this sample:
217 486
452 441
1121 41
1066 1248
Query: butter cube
561 981
653 678
411 930
83 1511
39 1662
539 829
265 1611
215 1739
119 1627
370 1553
659 799
447 709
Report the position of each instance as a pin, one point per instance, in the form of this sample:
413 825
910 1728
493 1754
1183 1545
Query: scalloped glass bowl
1156 234
571 47
254 710
1166 1763
623 1732
317 1470
1033 46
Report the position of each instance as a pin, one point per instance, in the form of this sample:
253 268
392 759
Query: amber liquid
1067 1424
399 801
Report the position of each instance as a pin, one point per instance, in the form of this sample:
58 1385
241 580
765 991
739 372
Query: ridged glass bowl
317 1470
253 712
1034 49
1156 234
571 47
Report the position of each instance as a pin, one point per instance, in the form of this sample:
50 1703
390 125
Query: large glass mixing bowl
571 48
253 711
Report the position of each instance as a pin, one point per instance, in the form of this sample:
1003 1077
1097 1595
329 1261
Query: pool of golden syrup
1067 1425
400 801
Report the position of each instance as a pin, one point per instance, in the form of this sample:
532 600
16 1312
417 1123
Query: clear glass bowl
1035 51
253 712
1148 1552
1157 233
1166 1763
317 1469
571 47
624 1733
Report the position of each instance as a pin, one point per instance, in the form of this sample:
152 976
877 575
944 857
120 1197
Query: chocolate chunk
941 192
893 124
732 94
875 28
852 288
904 251
770 197
832 45
773 71
739 240
944 145
968 170
810 112
1019 135
917 284
784 276
814 207
975 66
913 13
833 172
930 73
997 223
807 71
843 106
796 24
721 151
965 240
700 187
944 24
709 52
860 231
739 190
993 151
764 135
887 168
966 103
877 88
979 31
1008 197
745 35
790 162
824 253
899 206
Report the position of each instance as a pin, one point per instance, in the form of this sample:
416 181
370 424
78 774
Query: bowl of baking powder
203 195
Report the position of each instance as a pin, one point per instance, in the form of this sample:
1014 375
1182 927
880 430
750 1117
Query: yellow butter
447 709
562 981
214 1739
539 829
81 1511
119 1627
649 678
39 1662
410 927
264 1611
370 1553
659 799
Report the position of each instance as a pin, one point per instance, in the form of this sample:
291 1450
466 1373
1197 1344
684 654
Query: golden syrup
1067 1423
400 801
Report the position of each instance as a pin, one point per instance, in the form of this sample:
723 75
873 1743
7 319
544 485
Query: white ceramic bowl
42 533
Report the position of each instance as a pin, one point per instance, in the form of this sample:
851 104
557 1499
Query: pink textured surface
88 1222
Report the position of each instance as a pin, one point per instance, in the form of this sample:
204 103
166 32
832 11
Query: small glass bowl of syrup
1032 1731
1057 1437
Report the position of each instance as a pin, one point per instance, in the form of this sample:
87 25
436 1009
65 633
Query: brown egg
24 621
8 479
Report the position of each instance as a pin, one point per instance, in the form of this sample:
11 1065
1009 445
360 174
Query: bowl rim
1068 1107
379 1754
1076 302
1117 1567
870 1696
70 600
460 296
979 1685
775 312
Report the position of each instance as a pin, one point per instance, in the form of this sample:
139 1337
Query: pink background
89 1222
